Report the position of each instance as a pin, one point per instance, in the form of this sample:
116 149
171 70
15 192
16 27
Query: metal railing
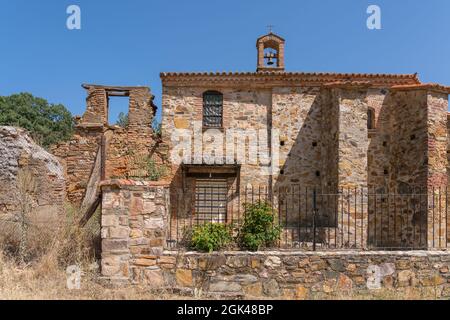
326 219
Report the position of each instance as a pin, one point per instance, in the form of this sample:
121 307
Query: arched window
212 109
370 119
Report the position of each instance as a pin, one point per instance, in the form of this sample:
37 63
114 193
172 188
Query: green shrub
47 123
142 166
259 228
210 237
155 171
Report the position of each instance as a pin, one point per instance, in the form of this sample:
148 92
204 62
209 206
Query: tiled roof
348 84
298 77
423 86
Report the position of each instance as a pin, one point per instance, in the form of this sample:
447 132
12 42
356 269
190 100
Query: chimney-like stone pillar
134 228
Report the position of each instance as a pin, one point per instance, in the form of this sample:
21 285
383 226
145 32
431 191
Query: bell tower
270 53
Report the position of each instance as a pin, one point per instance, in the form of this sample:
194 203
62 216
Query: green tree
157 125
47 123
122 120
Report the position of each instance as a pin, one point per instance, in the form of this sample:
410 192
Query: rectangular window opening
118 107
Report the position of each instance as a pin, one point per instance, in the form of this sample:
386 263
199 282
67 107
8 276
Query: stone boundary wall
297 275
135 227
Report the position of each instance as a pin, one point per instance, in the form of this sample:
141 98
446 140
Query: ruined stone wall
41 174
130 147
78 157
96 106
126 151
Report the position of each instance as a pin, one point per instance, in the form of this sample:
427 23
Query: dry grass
45 280
42 281
407 293
42 275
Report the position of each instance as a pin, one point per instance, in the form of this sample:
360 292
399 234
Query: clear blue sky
131 42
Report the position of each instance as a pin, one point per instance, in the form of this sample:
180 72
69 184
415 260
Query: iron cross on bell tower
271 55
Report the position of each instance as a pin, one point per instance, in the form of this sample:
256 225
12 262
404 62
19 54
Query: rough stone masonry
336 131
19 153
383 133
135 229
121 149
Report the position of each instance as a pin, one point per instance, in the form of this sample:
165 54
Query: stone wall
299 114
124 152
303 115
135 220
448 147
134 225
296 275
289 275
408 149
437 103
41 174
78 157
325 143
405 149
243 109
299 106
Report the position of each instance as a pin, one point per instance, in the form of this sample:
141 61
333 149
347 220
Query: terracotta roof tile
348 84
423 86
297 77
